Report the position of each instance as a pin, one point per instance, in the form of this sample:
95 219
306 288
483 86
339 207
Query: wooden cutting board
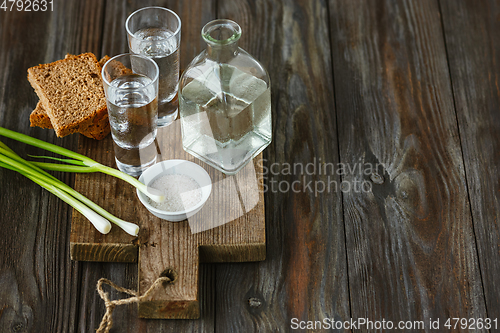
233 215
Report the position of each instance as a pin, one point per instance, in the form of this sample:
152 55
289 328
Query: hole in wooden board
170 273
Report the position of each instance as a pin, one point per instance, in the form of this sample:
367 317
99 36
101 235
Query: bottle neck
222 53
221 37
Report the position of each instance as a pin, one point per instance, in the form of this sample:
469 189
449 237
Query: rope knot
107 319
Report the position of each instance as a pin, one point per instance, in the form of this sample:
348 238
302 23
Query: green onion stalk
99 222
98 216
78 163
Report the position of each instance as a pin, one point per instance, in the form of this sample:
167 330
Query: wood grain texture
471 33
410 243
411 247
38 283
126 318
194 14
85 239
163 245
100 252
304 275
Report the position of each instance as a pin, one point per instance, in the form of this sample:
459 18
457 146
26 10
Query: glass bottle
225 101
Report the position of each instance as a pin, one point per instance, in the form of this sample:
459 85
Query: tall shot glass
155 32
131 89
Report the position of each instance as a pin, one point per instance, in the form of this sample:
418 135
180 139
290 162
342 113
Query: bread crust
39 118
92 117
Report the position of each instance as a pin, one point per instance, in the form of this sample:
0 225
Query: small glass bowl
183 167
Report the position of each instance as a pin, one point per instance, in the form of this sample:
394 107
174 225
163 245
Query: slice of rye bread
39 117
99 130
71 93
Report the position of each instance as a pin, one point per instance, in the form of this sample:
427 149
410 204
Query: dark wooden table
410 85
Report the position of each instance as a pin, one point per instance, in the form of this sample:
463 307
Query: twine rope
107 319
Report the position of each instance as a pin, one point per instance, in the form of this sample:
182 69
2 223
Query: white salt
181 192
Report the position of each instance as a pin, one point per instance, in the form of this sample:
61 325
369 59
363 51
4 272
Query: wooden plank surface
235 228
85 240
237 233
194 15
411 247
471 33
230 226
304 275
39 285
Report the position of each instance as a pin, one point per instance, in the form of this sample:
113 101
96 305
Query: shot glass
131 89
155 32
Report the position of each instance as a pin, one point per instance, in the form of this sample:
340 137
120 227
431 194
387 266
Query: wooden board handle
176 300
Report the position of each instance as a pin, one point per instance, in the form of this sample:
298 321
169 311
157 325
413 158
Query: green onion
10 160
99 222
67 160
81 160
63 167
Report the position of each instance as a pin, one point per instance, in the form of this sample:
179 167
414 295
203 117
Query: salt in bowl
171 167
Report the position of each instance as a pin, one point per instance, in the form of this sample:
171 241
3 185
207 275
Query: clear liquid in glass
132 114
160 45
226 117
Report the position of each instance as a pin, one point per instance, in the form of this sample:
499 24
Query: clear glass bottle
225 101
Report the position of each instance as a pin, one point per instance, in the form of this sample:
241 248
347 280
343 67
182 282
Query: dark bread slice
100 127
71 93
99 130
103 61
39 117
